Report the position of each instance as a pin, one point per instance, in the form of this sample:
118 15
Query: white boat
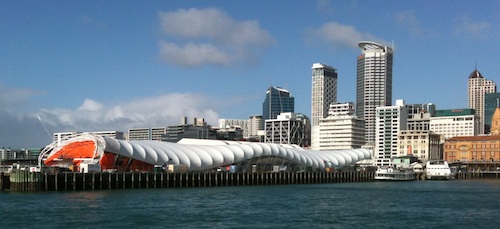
394 174
437 170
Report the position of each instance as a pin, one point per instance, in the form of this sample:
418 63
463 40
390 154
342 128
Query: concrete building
255 128
478 88
389 121
423 144
374 84
288 128
157 133
455 122
419 116
139 134
341 129
198 130
414 109
278 100
324 93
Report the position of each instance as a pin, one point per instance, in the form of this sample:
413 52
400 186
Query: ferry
438 170
394 174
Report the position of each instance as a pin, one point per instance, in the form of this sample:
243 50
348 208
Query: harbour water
418 204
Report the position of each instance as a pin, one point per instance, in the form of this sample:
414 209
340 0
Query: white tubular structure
198 154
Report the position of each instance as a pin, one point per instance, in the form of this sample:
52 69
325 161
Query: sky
115 65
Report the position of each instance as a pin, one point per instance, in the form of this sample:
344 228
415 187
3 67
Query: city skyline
75 66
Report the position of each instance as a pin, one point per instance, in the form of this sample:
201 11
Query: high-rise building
491 103
278 100
324 93
478 87
390 120
374 83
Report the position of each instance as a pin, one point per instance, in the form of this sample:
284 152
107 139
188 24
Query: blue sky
115 65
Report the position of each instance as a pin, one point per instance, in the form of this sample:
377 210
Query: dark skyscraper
277 100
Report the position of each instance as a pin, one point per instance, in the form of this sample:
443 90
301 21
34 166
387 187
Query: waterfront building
193 155
491 102
341 129
478 88
485 148
455 122
389 121
278 100
373 84
12 159
324 93
472 149
287 128
423 144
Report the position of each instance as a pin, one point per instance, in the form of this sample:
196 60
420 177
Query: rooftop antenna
44 127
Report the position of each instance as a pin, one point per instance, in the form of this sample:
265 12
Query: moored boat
438 170
394 174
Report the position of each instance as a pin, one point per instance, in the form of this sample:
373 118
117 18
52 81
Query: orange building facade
479 152
472 149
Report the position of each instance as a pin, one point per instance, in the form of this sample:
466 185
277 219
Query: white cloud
466 26
340 35
25 130
210 37
408 20
194 54
90 105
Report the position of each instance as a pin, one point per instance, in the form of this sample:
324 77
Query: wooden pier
28 181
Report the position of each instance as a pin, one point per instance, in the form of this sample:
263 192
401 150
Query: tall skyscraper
324 93
374 83
478 87
278 100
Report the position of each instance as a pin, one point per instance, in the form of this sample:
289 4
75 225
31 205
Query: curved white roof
205 154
